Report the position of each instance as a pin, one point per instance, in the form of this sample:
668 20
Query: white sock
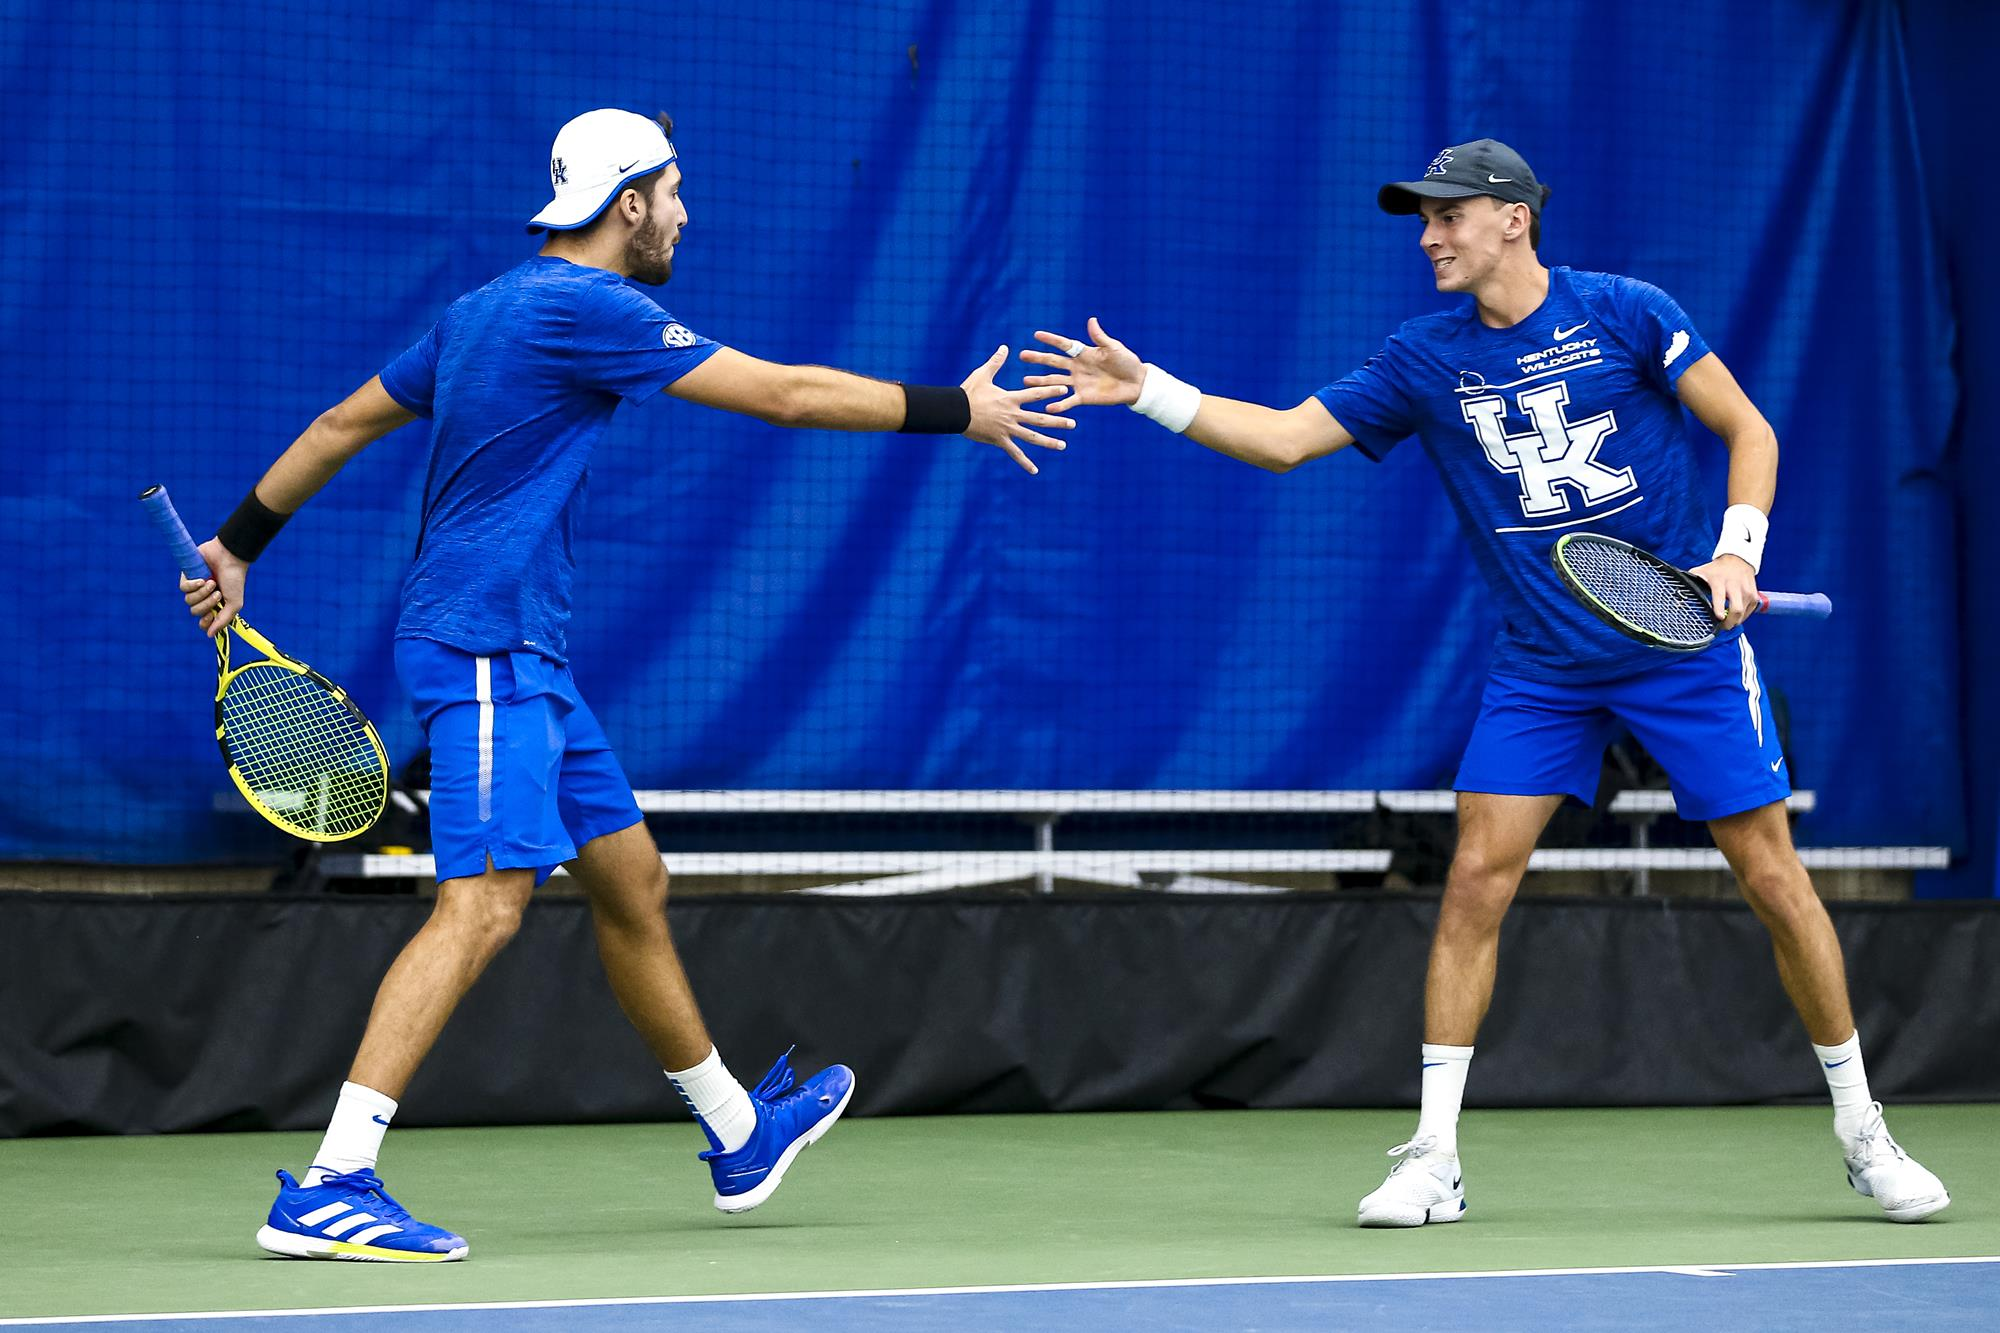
717 1100
1445 1068
1847 1080
354 1136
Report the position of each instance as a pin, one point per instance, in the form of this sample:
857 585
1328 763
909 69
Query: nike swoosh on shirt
1777 764
1571 331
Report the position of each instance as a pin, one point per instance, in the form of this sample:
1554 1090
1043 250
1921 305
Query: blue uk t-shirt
521 378
1567 420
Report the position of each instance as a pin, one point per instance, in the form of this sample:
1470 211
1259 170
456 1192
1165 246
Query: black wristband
935 409
249 530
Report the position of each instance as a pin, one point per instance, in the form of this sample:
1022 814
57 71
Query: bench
1168 870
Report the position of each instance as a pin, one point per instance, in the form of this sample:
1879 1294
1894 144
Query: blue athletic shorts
1704 716
520 770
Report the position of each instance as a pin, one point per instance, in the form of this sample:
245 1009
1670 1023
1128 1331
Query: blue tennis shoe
352 1217
790 1115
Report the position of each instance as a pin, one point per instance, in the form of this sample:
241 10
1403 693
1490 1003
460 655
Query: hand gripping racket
297 748
1645 598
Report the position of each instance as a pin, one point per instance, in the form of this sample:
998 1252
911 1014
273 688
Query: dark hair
1534 217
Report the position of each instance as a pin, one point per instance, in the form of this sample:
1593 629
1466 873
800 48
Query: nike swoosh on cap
1492 179
629 165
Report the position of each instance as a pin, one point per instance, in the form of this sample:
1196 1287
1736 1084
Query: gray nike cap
1484 166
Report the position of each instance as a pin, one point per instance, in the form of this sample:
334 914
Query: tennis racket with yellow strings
297 748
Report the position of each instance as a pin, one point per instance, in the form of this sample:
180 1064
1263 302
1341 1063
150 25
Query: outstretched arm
1106 371
822 398
1719 403
336 435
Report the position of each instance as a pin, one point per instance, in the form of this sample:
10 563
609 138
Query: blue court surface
1961 1293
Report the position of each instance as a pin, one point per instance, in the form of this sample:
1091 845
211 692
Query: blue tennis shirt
521 378
1565 421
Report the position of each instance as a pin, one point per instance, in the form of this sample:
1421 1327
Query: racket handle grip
1813 605
174 532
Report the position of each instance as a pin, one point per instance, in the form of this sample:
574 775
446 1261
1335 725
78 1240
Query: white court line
1698 1270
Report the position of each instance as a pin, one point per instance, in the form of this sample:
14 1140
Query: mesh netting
224 217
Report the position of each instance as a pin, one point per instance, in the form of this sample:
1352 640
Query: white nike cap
594 157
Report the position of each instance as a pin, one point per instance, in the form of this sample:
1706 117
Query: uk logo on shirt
1558 452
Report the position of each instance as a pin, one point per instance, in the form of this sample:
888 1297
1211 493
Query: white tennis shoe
1426 1186
1879 1169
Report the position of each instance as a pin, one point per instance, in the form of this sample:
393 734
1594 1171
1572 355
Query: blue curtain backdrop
220 219
1949 41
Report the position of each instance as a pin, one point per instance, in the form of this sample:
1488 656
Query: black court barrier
123 1015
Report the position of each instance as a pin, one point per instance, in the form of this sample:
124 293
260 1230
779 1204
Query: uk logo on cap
1438 164
594 155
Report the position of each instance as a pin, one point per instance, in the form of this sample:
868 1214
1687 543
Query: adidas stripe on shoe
352 1217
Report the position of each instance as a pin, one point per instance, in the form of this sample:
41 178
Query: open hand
1002 416
1102 371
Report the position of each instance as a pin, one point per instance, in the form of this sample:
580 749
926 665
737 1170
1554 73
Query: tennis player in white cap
520 378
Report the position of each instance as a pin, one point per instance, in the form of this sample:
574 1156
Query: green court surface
98 1226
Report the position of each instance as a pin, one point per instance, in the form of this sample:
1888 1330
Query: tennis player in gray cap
1550 401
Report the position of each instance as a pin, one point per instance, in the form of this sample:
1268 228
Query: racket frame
188 557
227 673
1671 572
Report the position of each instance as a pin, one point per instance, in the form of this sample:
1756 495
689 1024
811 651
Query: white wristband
1167 400
1743 531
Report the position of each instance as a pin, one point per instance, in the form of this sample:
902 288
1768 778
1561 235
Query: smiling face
1467 239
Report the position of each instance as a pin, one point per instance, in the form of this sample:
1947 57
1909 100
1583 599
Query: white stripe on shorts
1752 687
485 696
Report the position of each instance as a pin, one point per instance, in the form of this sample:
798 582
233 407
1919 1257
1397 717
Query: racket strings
1635 590
302 751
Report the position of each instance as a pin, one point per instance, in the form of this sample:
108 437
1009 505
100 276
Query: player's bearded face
649 253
